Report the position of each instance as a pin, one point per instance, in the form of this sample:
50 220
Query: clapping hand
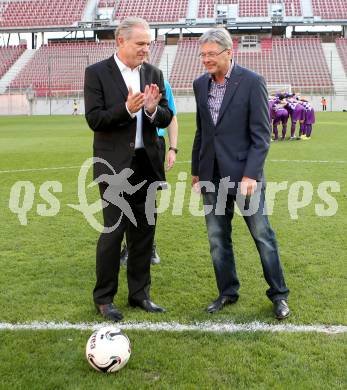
135 101
152 98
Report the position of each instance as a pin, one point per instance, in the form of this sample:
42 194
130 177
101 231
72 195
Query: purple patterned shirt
216 94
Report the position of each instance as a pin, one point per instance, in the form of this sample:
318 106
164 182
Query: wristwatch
174 149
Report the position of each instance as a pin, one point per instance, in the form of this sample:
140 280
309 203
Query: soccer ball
108 349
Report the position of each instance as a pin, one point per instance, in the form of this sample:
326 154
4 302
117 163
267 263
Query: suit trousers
139 239
162 148
219 228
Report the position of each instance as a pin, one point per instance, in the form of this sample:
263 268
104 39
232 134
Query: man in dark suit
124 104
230 146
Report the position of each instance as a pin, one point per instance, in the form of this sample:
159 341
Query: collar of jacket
233 83
118 78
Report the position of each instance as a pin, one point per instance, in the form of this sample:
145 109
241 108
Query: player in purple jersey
301 116
310 119
296 112
280 116
272 101
290 107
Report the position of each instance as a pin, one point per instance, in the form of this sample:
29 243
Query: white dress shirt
131 78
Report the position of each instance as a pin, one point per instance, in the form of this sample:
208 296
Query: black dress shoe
281 309
220 302
146 305
109 311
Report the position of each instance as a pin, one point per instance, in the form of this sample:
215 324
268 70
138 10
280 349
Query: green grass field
47 274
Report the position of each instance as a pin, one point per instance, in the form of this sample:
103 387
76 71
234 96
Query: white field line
177 162
39 169
210 327
313 161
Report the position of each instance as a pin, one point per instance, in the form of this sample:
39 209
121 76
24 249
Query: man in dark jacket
230 146
125 103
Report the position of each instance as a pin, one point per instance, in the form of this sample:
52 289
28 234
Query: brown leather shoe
109 311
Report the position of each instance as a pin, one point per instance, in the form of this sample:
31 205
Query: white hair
126 26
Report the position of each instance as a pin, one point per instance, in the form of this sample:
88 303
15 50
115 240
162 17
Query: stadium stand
291 7
248 8
187 65
8 56
40 13
67 63
330 9
341 44
45 13
207 7
156 52
163 11
299 62
59 67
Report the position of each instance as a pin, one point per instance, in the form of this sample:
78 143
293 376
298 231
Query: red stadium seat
39 13
67 63
341 44
330 9
158 11
298 62
8 56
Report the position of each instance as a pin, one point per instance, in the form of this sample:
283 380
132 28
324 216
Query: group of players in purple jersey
284 105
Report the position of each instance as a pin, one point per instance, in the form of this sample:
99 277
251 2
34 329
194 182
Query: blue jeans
219 229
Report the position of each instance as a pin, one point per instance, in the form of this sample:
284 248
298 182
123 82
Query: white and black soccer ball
108 349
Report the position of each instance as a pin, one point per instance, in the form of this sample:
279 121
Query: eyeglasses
211 54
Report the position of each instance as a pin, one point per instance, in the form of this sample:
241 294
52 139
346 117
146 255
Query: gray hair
219 36
126 26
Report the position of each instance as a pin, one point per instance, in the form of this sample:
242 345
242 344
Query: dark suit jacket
241 138
105 94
